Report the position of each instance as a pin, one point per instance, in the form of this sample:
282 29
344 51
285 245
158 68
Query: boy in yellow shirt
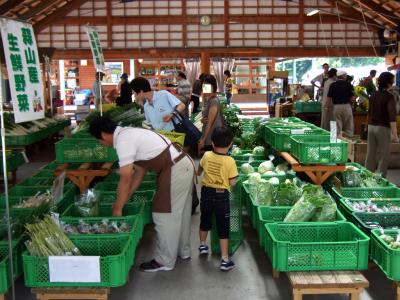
220 173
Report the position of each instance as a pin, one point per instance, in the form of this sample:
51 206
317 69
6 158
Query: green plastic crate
105 210
275 214
348 211
390 191
307 107
82 134
109 188
115 261
235 227
368 221
114 177
37 181
316 246
280 137
247 155
19 140
388 259
83 150
5 279
317 149
14 160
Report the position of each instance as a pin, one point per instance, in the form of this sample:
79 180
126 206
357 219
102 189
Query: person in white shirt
320 79
327 108
140 150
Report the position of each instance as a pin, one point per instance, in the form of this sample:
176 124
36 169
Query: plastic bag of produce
254 178
327 212
302 211
264 193
350 178
287 193
246 168
88 204
259 150
236 151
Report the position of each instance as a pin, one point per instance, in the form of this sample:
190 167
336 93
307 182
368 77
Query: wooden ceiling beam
10 4
214 52
58 14
378 9
33 11
267 19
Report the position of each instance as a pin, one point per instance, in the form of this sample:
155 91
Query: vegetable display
353 177
391 241
230 114
258 150
103 228
372 206
47 239
246 168
35 201
314 205
88 204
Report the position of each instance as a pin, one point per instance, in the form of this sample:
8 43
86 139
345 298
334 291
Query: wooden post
205 62
398 290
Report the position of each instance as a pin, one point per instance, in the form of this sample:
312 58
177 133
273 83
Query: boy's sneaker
226 265
153 266
203 249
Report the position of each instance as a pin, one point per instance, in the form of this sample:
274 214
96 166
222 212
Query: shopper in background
228 86
196 93
321 78
158 105
140 150
382 127
184 91
96 90
220 173
341 95
327 109
211 113
368 82
125 91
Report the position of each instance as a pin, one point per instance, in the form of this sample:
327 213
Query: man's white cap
341 73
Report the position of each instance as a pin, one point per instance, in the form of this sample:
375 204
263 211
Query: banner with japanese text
23 68
95 45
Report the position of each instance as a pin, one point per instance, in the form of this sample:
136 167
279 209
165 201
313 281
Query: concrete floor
200 278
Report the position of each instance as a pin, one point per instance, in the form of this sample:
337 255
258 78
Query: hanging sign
95 46
23 67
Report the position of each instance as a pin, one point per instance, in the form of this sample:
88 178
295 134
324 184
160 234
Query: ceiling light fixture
312 12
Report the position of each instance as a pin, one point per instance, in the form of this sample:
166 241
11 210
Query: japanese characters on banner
23 67
97 52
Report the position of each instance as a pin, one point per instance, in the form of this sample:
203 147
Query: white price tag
74 268
333 131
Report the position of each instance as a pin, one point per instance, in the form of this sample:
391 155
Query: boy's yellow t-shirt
218 169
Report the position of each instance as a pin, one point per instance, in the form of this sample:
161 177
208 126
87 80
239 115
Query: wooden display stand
84 175
317 173
320 283
71 293
398 290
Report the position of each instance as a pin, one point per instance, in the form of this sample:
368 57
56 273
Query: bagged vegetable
264 193
236 151
350 178
327 212
254 178
259 150
302 211
88 204
246 168
287 193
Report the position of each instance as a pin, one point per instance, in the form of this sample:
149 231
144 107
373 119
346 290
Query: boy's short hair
222 137
101 124
182 75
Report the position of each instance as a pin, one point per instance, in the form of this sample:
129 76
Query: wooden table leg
14 177
297 295
1 297
398 290
355 296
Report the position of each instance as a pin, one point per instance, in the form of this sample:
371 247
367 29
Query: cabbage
270 173
274 181
302 211
246 168
236 151
264 193
259 150
265 166
283 167
254 178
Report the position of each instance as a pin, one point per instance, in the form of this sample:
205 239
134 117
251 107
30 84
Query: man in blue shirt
158 105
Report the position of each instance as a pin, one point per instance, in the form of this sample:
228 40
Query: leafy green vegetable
246 168
287 193
259 150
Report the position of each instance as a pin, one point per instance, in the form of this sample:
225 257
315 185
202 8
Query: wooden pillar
205 62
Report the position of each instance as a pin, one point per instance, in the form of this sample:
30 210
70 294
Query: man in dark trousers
125 91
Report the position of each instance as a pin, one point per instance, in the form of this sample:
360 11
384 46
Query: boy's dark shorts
215 201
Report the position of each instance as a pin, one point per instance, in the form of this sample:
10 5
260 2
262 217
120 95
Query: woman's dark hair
385 79
227 73
210 79
222 137
182 75
101 124
201 76
140 84
332 72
